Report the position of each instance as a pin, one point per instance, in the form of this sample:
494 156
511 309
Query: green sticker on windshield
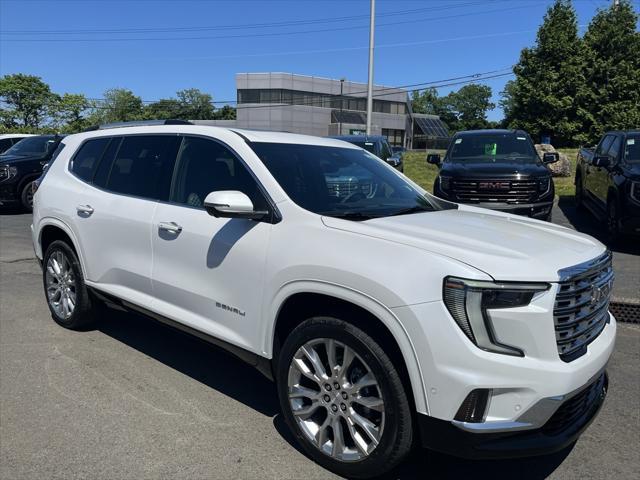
490 148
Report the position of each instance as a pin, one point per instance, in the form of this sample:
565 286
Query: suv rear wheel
67 295
343 398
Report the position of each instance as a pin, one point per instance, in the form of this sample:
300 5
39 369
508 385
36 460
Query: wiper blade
408 211
349 215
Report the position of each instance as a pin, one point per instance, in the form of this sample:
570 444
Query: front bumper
8 193
534 210
562 429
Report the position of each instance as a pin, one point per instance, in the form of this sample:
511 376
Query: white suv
386 316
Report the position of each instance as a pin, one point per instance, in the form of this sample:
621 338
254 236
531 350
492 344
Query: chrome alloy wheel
61 284
335 399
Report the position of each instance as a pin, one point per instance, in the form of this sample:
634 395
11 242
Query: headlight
544 184
7 172
445 182
469 300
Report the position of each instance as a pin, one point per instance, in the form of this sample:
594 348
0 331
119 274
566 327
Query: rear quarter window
85 162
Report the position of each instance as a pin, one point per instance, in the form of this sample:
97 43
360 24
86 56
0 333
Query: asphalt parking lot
133 399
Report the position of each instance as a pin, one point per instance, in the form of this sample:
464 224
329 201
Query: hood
504 246
8 159
507 168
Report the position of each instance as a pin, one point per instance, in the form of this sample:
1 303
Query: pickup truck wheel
26 196
67 295
343 398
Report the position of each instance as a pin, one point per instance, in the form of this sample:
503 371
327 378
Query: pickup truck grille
344 186
581 308
495 190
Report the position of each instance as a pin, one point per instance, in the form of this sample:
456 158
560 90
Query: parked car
21 165
7 140
398 151
496 169
608 182
378 145
386 317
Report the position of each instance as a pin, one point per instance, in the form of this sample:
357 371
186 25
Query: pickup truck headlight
445 182
469 300
544 184
7 172
635 191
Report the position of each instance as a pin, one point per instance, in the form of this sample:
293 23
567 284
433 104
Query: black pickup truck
608 182
21 165
497 169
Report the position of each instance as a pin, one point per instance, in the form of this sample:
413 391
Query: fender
50 221
363 300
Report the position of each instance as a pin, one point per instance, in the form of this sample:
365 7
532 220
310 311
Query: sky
157 47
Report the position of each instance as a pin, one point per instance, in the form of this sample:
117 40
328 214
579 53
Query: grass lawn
417 169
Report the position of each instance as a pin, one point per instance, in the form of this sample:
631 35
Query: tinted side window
614 150
604 145
205 166
104 167
385 150
143 166
86 160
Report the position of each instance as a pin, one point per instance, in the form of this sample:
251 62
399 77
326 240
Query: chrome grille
581 309
495 190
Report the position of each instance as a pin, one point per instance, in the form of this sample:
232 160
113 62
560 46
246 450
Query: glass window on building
394 136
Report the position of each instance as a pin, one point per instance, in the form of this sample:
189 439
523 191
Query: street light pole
341 102
370 81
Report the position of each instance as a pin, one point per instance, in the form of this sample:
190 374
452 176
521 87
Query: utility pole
341 102
370 82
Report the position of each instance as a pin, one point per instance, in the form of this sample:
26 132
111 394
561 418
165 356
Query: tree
549 78
611 98
27 100
69 111
119 105
425 101
226 113
469 107
195 105
163 109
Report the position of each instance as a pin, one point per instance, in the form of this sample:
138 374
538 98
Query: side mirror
601 161
231 204
550 157
434 159
394 161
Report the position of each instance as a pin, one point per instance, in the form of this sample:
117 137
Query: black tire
26 196
396 438
84 313
613 221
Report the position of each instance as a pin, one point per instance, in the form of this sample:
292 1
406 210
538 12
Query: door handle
171 227
84 210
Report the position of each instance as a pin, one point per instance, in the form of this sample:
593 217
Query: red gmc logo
494 185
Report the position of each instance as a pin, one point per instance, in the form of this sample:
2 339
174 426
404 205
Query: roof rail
138 123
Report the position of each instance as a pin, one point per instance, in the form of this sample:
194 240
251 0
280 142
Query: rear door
208 272
124 179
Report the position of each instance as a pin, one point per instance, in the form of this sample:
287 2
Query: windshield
493 147
342 182
368 146
31 146
632 148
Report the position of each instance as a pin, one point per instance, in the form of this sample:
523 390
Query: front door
208 272
595 174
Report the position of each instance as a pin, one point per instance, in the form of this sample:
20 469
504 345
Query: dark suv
608 181
378 145
497 169
21 165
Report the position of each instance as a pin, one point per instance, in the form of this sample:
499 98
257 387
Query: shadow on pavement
584 221
193 357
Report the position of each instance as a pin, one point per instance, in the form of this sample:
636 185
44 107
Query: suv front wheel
66 293
343 398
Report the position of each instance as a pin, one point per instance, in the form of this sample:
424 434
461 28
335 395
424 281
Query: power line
233 27
265 34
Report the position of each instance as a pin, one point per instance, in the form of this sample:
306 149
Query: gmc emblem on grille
494 185
600 293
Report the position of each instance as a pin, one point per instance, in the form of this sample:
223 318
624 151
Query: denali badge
494 185
230 309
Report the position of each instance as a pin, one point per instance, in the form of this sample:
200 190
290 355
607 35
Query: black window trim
274 217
